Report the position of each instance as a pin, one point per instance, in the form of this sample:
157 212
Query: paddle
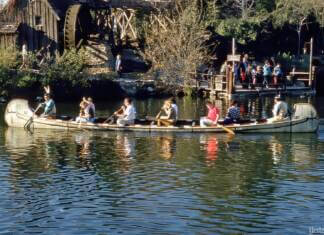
118 111
27 124
109 119
227 129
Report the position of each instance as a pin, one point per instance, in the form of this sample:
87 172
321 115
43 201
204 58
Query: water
81 182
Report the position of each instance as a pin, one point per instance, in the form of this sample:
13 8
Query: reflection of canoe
18 113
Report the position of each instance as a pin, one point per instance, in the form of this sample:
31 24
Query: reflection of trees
212 167
31 155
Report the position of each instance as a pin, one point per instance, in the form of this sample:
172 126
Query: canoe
304 119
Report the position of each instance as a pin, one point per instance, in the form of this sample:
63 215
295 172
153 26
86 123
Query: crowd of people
251 75
167 116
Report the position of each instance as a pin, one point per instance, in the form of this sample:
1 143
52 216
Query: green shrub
69 68
9 58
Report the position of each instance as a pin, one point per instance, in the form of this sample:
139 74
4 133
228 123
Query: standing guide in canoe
212 115
280 110
233 114
126 114
87 111
170 118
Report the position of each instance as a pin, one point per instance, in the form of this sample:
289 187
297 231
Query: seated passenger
49 107
170 118
212 115
126 115
86 111
280 110
233 114
90 110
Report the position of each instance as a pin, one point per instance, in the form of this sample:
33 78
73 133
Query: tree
294 12
244 7
318 9
176 43
241 19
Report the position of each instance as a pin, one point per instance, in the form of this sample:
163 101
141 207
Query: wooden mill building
37 23
59 24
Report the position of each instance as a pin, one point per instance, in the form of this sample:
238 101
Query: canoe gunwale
239 128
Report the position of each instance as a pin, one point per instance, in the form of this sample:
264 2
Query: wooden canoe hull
17 115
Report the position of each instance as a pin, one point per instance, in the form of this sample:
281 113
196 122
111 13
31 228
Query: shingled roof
8 28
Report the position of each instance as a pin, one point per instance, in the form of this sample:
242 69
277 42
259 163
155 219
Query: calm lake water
82 182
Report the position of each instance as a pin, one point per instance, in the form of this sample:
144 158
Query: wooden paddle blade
228 130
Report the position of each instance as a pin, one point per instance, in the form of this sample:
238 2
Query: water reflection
84 143
118 182
210 146
125 146
277 149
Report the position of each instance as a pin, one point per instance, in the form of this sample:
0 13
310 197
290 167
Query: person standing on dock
212 115
236 73
278 74
267 73
258 76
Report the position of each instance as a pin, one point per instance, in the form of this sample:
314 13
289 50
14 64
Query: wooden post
229 81
310 81
228 71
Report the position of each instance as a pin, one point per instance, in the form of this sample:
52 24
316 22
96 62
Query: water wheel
76 26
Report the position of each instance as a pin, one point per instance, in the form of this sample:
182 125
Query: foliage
9 58
25 80
69 68
244 31
68 71
241 19
288 61
177 48
294 12
5 81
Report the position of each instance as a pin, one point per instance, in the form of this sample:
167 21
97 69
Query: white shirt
280 108
175 107
130 113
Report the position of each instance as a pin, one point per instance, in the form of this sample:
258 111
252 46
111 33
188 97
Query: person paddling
212 116
126 114
171 115
48 106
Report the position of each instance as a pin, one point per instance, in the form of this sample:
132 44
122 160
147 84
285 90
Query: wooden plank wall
8 40
46 33
38 36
